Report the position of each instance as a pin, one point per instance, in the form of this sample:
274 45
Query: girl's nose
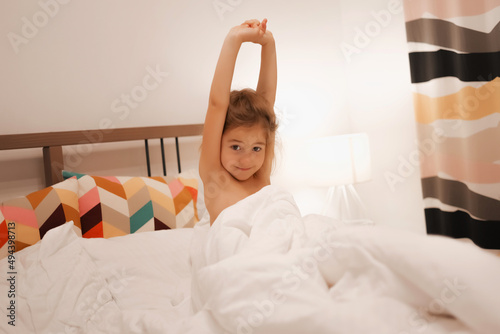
246 158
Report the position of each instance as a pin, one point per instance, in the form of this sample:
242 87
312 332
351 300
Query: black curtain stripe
456 193
425 66
459 224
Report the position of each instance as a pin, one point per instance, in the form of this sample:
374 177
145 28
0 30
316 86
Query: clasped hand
253 31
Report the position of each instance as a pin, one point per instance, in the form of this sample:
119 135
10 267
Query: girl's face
243 150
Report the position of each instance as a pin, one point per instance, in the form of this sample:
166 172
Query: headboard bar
52 142
148 163
53 164
62 138
163 164
178 155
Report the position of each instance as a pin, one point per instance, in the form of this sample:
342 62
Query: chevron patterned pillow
118 205
26 219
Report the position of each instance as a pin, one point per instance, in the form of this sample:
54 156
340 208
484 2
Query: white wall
75 69
380 104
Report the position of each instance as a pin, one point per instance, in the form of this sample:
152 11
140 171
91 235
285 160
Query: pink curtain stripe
459 169
414 9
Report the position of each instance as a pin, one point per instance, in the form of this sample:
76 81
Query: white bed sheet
130 284
261 268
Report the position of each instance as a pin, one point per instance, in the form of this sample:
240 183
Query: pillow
189 174
118 205
28 218
5 228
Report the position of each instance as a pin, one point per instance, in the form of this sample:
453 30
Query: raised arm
217 105
266 87
250 31
268 76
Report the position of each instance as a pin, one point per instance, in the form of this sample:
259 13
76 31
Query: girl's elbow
217 104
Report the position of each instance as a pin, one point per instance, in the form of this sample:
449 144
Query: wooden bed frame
52 143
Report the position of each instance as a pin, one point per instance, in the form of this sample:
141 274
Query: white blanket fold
260 268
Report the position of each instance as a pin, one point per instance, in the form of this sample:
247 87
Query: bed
130 254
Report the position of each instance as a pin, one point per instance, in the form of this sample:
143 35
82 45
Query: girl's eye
236 147
257 149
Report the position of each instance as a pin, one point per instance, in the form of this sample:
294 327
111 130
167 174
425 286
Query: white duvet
261 268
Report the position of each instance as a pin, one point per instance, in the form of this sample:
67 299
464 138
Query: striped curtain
454 51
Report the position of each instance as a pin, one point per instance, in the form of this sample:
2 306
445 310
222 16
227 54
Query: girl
238 137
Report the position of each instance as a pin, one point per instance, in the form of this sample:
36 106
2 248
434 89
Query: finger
264 25
252 23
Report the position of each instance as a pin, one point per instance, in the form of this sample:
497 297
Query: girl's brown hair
247 108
